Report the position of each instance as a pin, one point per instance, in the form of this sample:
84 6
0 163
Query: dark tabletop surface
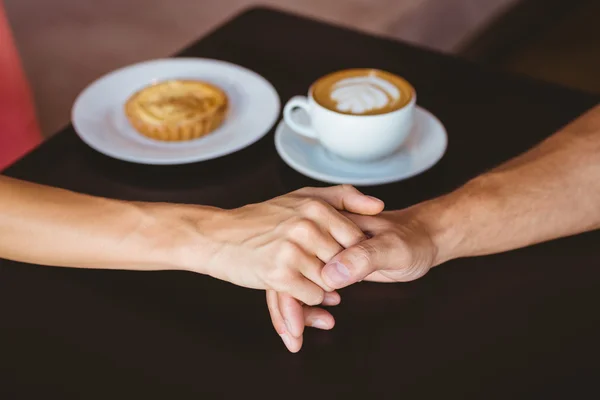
522 324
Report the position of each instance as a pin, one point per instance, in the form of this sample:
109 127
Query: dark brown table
524 324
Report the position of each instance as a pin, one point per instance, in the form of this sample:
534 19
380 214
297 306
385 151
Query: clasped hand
304 245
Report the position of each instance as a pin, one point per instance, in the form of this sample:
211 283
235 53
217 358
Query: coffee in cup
358 114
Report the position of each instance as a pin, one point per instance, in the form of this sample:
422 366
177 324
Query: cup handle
302 129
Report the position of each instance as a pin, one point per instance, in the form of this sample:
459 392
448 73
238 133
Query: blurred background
66 44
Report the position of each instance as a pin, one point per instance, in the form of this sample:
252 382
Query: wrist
440 221
178 237
455 222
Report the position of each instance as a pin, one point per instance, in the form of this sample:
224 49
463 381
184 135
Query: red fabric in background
19 130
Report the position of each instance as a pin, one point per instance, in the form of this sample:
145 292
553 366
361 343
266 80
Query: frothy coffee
362 92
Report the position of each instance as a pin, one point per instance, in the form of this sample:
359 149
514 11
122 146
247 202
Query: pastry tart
177 110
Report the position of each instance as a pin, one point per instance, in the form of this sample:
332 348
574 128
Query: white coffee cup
355 136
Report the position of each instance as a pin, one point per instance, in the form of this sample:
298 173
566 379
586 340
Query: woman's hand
282 244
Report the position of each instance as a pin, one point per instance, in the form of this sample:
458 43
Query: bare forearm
549 192
50 226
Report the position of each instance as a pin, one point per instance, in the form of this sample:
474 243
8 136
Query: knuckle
288 253
349 188
356 235
362 256
316 298
315 207
303 228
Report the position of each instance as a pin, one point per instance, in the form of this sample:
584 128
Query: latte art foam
364 93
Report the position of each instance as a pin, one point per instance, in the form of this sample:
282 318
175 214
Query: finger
357 262
346 197
293 344
311 269
339 227
306 263
296 316
292 312
303 289
276 317
291 315
343 230
331 299
315 240
318 318
287 277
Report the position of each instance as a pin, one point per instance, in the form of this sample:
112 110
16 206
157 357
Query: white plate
99 118
423 149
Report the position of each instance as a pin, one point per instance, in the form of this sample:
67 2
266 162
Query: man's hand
399 249
549 192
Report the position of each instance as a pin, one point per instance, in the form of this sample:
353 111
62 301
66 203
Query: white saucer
424 148
99 119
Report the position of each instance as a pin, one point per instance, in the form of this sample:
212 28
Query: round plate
99 118
424 147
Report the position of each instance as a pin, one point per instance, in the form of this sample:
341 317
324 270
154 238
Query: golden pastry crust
177 110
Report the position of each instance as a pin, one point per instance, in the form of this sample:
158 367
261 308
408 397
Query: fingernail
330 299
337 272
286 340
288 325
319 324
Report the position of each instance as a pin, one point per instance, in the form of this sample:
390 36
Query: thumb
346 198
353 264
